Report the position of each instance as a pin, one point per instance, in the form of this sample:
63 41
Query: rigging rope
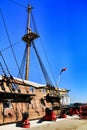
5 63
35 29
33 21
17 3
1 83
23 63
15 85
48 62
37 68
46 76
10 41
10 46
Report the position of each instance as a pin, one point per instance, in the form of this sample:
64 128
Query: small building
65 99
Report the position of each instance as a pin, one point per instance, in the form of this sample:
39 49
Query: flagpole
58 79
62 70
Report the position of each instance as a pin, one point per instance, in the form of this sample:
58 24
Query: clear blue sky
62 26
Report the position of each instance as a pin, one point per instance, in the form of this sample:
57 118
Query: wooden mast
28 38
28 46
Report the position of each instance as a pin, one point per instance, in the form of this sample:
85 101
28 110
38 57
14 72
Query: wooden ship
19 95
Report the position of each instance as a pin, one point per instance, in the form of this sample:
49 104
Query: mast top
29 8
30 36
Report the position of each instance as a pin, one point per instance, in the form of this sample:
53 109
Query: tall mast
28 38
28 46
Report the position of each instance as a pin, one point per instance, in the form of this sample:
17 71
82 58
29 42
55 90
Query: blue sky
62 26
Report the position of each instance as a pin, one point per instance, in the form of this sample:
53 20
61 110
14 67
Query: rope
9 40
35 29
15 86
23 63
4 62
48 61
17 3
33 21
46 76
10 46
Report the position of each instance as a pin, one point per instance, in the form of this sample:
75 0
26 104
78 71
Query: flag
63 69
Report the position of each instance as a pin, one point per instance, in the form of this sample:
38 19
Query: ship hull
30 98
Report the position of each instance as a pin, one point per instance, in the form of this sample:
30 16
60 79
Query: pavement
69 123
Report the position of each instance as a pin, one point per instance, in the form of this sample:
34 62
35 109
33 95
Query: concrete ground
69 123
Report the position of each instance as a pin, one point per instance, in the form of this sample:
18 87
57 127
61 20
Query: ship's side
26 97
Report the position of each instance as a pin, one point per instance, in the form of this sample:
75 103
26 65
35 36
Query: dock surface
71 123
